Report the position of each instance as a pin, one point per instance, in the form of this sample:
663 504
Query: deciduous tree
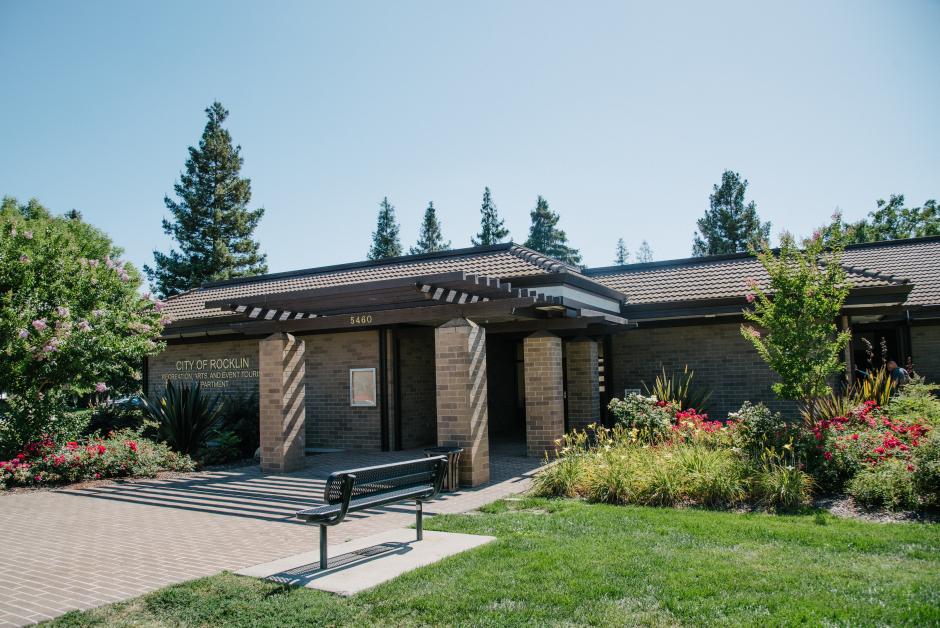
73 326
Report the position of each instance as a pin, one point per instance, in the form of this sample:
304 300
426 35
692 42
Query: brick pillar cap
542 333
460 322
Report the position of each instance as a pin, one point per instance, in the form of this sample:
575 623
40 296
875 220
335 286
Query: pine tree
211 221
546 238
430 239
385 242
644 254
623 255
729 226
492 230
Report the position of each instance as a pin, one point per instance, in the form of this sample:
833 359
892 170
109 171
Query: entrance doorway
505 382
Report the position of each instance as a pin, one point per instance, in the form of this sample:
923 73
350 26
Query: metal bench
370 487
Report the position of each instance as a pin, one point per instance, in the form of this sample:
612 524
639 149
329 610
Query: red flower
827 455
132 445
854 436
910 467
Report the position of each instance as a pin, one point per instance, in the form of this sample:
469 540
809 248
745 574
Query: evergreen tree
644 254
623 255
546 238
430 239
211 223
492 230
385 242
729 226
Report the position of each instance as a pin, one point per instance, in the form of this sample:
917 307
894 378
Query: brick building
500 346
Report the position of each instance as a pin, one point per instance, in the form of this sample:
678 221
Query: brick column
544 392
282 392
584 397
460 359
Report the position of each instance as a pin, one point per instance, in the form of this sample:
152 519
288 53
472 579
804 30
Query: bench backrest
386 478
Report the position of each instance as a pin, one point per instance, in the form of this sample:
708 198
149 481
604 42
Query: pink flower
93 263
28 235
159 305
24 333
101 387
40 324
84 326
98 313
24 259
750 297
62 311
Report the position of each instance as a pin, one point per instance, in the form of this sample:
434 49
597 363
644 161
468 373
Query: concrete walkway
75 549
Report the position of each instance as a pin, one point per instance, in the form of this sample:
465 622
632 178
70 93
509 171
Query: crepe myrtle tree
794 318
73 326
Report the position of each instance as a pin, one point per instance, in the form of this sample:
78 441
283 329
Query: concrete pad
364 563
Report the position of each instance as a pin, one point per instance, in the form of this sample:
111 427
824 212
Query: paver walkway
74 549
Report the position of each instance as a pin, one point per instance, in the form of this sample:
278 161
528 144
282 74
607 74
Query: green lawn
564 562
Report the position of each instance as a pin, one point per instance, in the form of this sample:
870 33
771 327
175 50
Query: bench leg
419 519
323 560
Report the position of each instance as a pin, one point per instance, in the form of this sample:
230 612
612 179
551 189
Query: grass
568 562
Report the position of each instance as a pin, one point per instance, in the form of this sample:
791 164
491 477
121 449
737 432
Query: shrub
112 416
73 326
927 470
121 454
185 415
650 417
241 418
757 429
692 427
678 390
916 402
889 484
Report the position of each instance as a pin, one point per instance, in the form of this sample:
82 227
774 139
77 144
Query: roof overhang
423 300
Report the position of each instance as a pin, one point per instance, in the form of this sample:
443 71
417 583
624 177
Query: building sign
362 387
218 372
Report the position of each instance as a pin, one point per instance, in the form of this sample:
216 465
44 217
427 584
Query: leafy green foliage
430 240
385 241
758 429
622 256
916 401
492 229
729 226
211 223
240 418
877 386
545 236
890 220
678 389
186 416
778 482
73 327
794 317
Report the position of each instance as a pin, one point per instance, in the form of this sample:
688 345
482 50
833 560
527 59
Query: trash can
452 477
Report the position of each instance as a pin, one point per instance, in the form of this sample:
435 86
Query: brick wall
418 400
925 345
226 367
544 392
331 421
720 357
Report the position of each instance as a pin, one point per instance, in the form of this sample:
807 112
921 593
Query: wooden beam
375 318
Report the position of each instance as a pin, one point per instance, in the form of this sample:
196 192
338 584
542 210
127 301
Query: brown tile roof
504 261
726 276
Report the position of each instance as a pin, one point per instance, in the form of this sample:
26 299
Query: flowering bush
120 454
650 417
73 327
690 426
758 429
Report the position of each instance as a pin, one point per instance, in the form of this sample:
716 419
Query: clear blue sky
621 114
